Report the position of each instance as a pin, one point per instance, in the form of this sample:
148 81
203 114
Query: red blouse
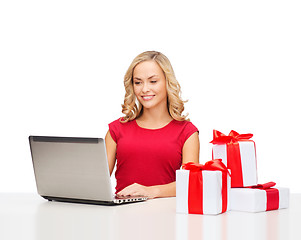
148 156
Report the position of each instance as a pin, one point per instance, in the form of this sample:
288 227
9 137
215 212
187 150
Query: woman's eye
137 83
153 81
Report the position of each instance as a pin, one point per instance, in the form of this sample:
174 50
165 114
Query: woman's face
150 84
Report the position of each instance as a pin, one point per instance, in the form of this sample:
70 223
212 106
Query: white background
62 65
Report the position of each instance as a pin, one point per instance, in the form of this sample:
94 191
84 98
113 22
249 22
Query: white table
28 216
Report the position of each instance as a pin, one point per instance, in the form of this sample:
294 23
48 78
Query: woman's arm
191 149
190 153
111 151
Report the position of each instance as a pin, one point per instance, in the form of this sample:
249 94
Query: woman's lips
147 97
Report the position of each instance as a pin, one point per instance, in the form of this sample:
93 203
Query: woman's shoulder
117 128
183 123
185 129
119 123
116 121
185 126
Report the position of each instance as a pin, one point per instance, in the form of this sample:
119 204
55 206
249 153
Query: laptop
73 170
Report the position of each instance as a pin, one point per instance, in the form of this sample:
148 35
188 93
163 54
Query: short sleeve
189 129
114 130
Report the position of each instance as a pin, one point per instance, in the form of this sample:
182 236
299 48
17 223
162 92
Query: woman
153 139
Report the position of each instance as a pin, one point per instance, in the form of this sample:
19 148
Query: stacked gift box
228 182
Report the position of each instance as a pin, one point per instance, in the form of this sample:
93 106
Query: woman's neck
154 119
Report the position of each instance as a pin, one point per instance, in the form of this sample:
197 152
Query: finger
130 192
126 192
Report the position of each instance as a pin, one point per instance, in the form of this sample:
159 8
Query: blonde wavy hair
132 108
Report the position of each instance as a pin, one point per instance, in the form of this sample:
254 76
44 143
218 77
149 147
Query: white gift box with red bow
238 153
259 199
203 191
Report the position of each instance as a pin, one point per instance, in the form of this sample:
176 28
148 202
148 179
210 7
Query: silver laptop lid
75 168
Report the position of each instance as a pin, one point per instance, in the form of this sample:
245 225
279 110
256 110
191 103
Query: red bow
265 185
212 165
220 138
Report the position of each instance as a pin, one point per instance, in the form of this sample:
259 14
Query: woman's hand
165 190
139 190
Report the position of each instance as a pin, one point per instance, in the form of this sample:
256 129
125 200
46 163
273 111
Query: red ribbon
195 189
272 195
233 153
220 138
264 186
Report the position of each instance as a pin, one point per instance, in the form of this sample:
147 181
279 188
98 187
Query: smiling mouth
148 97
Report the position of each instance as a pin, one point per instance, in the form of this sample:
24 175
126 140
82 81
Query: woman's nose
145 88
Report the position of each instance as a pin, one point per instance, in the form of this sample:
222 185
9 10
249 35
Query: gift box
238 153
202 189
263 197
